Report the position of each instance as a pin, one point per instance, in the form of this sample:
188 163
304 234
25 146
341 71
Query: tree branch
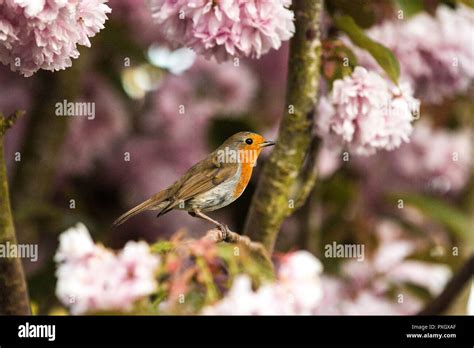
13 290
272 200
217 236
441 303
7 122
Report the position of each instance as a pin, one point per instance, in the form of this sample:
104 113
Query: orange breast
245 176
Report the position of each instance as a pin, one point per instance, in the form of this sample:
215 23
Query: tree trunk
280 189
13 290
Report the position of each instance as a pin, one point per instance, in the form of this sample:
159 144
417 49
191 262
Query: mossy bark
276 195
13 291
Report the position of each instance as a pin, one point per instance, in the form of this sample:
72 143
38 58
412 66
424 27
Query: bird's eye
249 141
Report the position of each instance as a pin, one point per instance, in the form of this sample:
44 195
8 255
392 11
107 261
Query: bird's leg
224 228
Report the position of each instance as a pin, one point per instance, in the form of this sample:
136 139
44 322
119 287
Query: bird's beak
267 143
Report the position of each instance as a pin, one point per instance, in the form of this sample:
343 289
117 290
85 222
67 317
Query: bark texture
13 290
286 181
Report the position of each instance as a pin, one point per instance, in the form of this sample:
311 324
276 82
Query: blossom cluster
44 34
297 290
436 160
220 29
366 113
93 278
435 52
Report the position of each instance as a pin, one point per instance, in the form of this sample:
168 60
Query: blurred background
160 109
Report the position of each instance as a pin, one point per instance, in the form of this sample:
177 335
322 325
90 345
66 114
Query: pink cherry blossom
44 34
435 52
369 113
299 265
438 158
416 272
297 290
220 29
329 155
74 243
328 161
93 278
436 161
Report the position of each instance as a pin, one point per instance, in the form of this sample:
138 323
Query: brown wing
203 182
198 181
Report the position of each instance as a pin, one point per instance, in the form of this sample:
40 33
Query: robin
212 183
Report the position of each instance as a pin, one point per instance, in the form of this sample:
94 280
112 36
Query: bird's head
244 147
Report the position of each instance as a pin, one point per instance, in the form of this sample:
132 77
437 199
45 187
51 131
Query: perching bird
212 183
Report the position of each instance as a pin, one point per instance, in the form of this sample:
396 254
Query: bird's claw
225 232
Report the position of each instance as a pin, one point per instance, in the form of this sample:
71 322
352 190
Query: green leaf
445 214
384 56
410 7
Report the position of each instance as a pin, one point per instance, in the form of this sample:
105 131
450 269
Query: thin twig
217 236
441 303
7 122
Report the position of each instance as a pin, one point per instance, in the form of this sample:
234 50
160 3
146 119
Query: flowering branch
273 199
452 289
13 290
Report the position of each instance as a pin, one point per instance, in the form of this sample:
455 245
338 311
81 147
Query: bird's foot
225 232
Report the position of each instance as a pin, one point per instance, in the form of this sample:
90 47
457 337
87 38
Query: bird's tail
149 204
